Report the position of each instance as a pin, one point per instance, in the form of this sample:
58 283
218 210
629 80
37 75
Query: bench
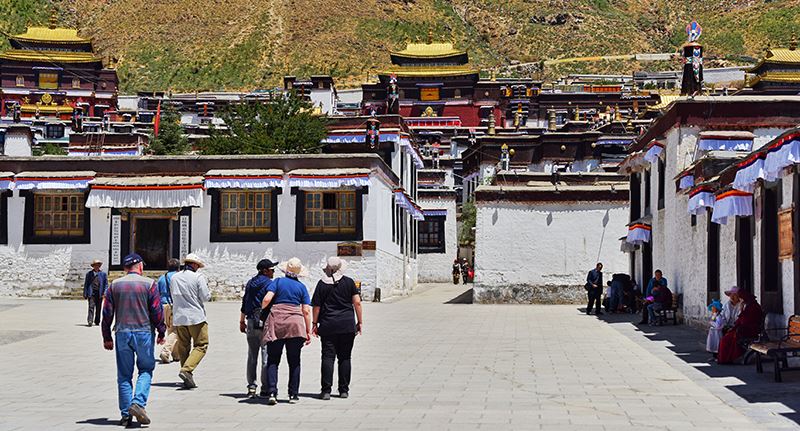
779 350
670 313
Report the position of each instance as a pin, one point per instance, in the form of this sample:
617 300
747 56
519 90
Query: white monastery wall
438 267
542 252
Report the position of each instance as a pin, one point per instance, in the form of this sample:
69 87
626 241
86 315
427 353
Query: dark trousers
95 309
596 299
339 347
274 352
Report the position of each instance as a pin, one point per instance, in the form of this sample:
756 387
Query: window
245 212
431 235
76 83
54 131
20 81
712 261
58 215
48 80
661 183
647 192
636 197
330 212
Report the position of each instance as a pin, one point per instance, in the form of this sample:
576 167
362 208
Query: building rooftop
49 56
50 35
429 50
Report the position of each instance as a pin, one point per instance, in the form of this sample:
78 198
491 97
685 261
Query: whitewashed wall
438 267
547 246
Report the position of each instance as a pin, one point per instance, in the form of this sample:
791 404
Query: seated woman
746 327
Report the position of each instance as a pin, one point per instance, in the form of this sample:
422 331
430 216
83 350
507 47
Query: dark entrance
771 275
152 240
647 264
712 263
744 252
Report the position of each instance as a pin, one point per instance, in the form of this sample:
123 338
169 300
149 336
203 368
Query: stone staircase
75 291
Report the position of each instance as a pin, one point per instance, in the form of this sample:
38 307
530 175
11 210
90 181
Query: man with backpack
251 324
167 353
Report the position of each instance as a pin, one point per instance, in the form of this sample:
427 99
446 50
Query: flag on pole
157 120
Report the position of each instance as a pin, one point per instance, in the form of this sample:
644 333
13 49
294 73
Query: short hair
599 263
658 271
173 264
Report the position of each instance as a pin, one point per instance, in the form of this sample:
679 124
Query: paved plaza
422 363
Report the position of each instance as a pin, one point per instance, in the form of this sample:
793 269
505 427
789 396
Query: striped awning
146 192
329 178
53 180
726 141
638 233
7 181
732 203
653 152
403 200
434 213
700 199
243 178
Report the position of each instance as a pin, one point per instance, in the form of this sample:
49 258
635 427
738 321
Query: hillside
188 45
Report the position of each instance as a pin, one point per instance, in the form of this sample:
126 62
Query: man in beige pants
189 294
168 353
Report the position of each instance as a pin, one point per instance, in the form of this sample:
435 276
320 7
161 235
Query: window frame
216 233
300 216
29 229
54 126
76 83
51 74
440 221
19 81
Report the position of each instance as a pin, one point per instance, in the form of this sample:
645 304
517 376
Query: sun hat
131 259
193 258
731 291
716 304
293 267
334 268
96 262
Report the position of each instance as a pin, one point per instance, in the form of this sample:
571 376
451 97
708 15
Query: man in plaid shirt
134 303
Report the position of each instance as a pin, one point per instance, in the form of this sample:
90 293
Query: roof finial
430 35
793 42
768 50
53 19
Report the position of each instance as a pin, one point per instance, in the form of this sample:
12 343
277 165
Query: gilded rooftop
429 50
50 34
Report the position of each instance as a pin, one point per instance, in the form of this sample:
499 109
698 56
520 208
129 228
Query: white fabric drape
686 182
787 155
329 183
54 184
747 176
726 144
653 154
731 206
403 201
6 185
243 183
408 148
105 198
699 202
638 234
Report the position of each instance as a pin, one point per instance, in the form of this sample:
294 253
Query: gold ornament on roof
429 112
46 98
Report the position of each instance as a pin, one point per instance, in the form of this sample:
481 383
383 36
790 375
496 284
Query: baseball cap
265 264
132 259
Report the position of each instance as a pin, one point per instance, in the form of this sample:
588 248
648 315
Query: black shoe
273 399
294 399
251 392
344 394
188 379
325 396
125 421
141 415
263 394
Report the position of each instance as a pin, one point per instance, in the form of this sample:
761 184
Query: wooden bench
779 350
670 313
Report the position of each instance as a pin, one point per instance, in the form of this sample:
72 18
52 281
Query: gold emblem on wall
46 98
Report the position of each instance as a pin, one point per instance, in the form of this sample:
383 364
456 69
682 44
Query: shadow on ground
689 344
464 298
105 421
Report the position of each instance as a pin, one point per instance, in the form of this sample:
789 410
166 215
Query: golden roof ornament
768 51
793 42
53 20
491 130
430 35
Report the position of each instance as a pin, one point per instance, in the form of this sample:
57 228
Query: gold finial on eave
793 42
53 19
768 50
430 35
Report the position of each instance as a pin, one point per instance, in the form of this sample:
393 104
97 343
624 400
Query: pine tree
171 139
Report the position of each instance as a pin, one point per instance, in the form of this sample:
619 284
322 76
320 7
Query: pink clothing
284 321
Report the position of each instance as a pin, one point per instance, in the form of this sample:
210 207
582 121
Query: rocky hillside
242 44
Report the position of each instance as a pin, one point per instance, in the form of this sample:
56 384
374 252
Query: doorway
152 239
771 274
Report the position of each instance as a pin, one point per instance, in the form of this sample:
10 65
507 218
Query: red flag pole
157 121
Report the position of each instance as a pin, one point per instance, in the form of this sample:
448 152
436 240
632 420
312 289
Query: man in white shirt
732 308
189 293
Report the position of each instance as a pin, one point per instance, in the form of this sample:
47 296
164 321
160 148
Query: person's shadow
105 421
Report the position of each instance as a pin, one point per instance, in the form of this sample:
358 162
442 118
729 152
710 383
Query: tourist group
277 314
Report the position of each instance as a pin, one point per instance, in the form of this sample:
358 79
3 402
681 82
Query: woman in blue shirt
288 324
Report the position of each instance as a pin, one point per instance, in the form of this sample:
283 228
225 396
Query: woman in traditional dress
746 327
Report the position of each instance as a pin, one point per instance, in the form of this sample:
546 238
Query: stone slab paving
421 364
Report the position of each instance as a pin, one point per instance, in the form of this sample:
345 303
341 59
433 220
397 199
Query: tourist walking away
661 299
189 295
288 325
337 318
456 270
716 324
732 307
167 353
250 324
746 328
657 280
594 289
464 270
133 304
94 287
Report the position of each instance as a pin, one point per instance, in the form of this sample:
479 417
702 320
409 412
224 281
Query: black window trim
4 195
28 237
216 236
441 220
300 218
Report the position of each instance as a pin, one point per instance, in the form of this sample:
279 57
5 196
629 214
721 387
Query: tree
171 139
285 125
468 215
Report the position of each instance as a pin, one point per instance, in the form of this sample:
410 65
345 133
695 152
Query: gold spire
793 42
430 35
53 19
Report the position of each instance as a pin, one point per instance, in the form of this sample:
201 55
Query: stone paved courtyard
421 364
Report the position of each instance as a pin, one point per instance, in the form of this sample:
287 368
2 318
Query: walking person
95 284
464 270
167 353
189 294
134 305
337 318
288 325
594 289
250 323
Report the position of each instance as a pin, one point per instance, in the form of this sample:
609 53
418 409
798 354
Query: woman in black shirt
336 320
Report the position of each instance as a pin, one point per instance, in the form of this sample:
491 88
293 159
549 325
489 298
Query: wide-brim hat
96 262
293 266
335 266
731 291
716 304
193 258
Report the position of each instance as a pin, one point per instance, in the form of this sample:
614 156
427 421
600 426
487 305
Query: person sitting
661 299
746 327
715 329
732 308
658 279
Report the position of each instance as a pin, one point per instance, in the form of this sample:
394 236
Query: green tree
468 214
49 149
285 125
171 139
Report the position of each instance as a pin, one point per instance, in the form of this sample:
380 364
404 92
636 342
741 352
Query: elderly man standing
594 289
94 287
134 304
189 294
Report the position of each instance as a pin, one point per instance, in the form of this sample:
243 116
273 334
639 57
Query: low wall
527 294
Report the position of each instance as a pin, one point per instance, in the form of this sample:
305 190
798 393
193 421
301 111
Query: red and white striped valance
699 200
686 182
146 192
67 180
638 233
654 151
329 178
784 153
7 181
243 179
749 172
404 201
732 203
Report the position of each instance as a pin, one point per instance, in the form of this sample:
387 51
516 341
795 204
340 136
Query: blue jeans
651 311
614 298
133 347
